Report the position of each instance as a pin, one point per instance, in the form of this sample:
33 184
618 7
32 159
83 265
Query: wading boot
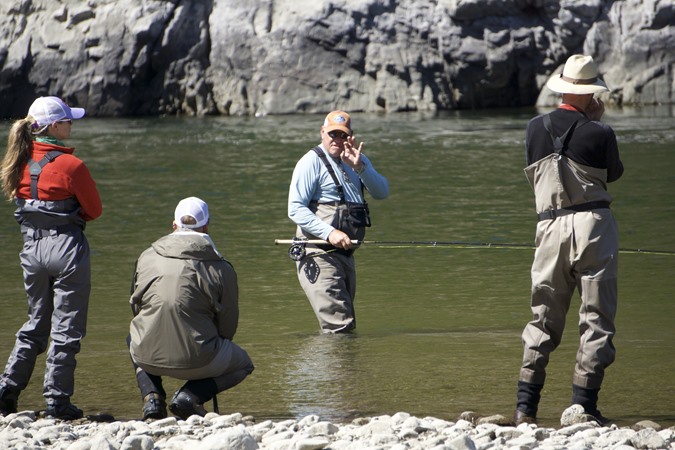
9 400
185 404
529 395
63 411
154 406
588 398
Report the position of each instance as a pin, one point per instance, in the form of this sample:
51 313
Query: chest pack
35 169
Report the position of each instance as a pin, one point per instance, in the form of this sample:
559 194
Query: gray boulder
148 57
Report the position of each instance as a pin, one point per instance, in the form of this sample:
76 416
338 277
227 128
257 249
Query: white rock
380 440
322 429
613 438
399 447
438 424
137 443
196 420
433 442
379 425
181 441
524 442
283 444
399 418
415 424
82 444
668 434
169 421
407 433
236 438
648 439
265 425
312 443
101 443
647 424
508 432
462 443
20 422
340 444
282 436
308 421
231 419
576 428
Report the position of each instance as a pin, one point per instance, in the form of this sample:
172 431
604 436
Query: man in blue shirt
326 201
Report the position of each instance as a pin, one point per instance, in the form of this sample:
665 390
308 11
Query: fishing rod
297 249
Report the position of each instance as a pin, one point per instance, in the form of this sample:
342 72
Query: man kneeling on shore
185 303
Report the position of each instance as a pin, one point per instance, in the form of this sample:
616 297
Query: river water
438 327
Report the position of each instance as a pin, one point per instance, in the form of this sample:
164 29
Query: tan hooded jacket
184 298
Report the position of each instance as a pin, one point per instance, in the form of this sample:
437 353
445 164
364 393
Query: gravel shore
25 431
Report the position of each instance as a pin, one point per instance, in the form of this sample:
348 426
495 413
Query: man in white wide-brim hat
571 157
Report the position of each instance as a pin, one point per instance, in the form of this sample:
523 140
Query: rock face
256 57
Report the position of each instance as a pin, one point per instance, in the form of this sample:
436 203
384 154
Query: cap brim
328 129
77 113
557 84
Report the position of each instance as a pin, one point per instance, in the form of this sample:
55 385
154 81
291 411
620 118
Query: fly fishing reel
297 250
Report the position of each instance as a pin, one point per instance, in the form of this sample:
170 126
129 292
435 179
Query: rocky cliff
256 57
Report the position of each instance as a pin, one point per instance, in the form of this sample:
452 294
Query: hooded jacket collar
187 245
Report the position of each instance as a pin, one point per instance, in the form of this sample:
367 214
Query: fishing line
297 249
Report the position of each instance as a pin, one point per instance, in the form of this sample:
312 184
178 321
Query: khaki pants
329 281
230 358
577 251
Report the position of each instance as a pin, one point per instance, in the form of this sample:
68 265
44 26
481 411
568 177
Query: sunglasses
338 134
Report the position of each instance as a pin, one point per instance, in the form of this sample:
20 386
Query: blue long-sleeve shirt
312 182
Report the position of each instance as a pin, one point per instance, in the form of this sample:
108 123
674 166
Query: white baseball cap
47 110
193 207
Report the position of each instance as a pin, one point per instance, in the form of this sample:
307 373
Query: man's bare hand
595 109
340 240
351 154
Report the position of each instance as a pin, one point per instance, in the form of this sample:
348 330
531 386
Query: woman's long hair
19 150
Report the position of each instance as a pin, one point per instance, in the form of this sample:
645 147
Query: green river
438 327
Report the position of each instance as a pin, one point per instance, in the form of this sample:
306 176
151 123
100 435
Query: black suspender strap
560 143
331 172
35 169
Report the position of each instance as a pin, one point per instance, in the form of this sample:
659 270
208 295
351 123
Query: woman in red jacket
55 197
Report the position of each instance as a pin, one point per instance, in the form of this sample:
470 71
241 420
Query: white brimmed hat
47 110
579 76
193 207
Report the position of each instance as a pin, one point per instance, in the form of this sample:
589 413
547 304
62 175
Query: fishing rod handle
307 241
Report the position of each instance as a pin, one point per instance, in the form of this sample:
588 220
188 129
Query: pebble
401 431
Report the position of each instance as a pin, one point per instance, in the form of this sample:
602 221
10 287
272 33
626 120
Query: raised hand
595 109
351 154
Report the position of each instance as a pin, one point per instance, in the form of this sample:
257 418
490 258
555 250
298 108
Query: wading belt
553 213
35 169
560 144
